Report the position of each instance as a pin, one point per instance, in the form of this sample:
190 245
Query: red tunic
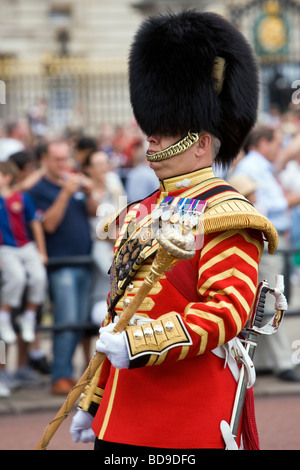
180 398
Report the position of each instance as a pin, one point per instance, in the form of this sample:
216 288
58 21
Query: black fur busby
190 72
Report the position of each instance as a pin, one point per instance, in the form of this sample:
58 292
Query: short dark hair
9 168
21 159
86 143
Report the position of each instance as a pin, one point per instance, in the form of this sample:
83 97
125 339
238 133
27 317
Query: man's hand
86 184
114 346
71 184
81 427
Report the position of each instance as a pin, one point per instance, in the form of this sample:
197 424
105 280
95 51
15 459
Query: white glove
114 346
280 300
81 427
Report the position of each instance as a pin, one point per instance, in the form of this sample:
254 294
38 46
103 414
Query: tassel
249 428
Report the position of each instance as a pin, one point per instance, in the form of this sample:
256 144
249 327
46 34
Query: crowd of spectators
267 172
53 192
56 191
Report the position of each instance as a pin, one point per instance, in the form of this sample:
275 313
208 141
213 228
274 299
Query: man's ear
203 145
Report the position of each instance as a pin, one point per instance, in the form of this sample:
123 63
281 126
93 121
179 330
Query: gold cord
175 149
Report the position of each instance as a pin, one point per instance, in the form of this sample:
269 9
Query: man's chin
157 168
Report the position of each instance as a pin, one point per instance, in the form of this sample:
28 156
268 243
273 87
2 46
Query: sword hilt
259 305
255 324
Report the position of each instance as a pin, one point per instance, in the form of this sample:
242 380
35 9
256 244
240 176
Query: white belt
233 353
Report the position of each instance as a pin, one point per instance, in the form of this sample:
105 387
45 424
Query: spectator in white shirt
262 149
14 140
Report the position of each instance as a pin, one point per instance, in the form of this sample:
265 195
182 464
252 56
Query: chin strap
175 149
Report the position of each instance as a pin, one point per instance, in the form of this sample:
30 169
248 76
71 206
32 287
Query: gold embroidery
164 336
92 393
210 317
224 275
232 290
226 254
231 308
203 334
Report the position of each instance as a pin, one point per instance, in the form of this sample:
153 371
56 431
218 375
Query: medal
166 215
185 218
193 220
174 219
179 210
145 235
156 213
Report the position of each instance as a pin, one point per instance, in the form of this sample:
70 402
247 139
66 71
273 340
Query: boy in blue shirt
22 258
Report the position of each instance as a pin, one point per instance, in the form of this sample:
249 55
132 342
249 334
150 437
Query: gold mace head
177 242
174 245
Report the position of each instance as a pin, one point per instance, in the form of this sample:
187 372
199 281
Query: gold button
138 334
169 326
148 331
158 329
126 302
130 287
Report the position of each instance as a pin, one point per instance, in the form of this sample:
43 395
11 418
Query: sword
252 331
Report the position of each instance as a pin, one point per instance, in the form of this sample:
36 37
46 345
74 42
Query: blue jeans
70 292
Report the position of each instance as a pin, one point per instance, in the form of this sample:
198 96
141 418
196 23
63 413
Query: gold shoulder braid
218 74
239 214
175 149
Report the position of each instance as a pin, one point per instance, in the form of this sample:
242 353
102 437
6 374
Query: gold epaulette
238 213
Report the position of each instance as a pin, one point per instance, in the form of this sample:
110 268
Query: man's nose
152 139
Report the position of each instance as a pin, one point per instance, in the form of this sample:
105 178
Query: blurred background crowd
69 147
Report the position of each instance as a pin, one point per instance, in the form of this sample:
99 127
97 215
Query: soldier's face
179 164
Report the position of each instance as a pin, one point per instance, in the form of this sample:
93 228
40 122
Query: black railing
70 261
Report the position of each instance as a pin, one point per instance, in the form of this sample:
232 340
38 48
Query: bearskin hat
194 71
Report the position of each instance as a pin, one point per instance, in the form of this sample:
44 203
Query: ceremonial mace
252 330
175 243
